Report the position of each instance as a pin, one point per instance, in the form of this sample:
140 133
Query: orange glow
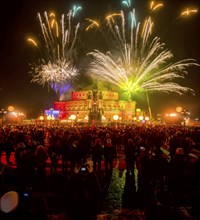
188 12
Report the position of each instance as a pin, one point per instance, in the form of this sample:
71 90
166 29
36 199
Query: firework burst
57 50
138 62
58 72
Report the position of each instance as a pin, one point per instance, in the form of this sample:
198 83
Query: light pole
73 118
2 115
141 118
172 117
149 107
185 114
115 118
146 119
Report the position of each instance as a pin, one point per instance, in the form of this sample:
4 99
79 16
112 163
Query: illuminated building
95 105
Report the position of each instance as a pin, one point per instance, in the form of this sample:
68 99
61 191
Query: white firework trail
58 72
58 49
139 63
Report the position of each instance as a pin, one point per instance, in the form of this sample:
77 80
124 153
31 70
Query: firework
138 63
127 3
57 51
58 72
92 24
61 89
187 12
154 6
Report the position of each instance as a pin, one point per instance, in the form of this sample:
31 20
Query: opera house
94 105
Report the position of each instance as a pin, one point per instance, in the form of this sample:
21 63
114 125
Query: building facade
94 105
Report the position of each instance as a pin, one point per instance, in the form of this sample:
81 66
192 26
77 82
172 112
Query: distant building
95 105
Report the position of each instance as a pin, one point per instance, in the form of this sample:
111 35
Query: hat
9 201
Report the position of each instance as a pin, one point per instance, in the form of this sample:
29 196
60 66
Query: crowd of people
164 156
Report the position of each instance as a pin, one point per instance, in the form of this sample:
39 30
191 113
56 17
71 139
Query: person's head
179 151
21 145
143 151
75 144
130 141
109 141
107 135
97 141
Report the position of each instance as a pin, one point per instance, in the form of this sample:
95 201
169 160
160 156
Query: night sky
18 21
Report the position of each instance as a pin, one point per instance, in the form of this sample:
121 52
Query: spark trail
138 62
57 51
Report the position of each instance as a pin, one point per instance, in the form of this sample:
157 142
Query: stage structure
95 106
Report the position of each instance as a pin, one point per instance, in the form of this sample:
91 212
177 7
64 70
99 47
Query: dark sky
18 20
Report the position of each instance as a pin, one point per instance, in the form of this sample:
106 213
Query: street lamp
41 118
73 118
11 108
86 118
179 109
141 117
2 115
49 117
115 118
103 118
185 114
172 116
